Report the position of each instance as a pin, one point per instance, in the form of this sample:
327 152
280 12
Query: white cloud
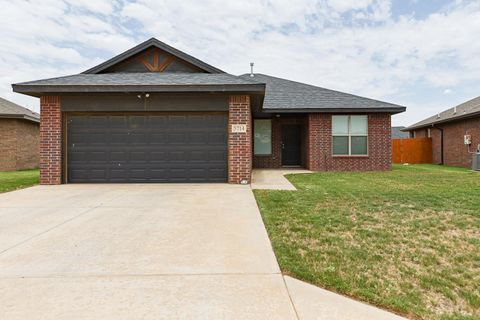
370 53
346 5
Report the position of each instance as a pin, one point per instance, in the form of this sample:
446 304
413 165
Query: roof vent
454 110
251 69
438 115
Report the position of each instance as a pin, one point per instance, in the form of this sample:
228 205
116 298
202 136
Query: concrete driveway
137 252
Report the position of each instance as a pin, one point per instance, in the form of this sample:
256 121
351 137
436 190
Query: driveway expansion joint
49 229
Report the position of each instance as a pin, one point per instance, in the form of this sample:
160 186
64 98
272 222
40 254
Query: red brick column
50 140
316 135
239 143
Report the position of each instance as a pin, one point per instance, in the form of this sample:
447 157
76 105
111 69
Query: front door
291 141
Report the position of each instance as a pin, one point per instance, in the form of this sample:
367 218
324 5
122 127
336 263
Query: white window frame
350 135
271 136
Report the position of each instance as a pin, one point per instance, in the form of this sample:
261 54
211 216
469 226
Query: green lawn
12 180
406 240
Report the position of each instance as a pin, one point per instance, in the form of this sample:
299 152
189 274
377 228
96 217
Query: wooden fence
414 150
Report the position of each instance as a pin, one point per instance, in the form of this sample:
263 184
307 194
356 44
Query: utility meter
467 139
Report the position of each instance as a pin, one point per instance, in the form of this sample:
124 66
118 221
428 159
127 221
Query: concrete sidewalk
274 179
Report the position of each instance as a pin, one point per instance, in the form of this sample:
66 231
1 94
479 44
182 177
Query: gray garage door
147 147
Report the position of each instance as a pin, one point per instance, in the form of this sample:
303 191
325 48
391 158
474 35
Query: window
350 135
262 144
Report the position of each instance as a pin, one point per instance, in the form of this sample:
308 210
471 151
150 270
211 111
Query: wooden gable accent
154 59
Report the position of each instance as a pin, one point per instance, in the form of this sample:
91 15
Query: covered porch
280 141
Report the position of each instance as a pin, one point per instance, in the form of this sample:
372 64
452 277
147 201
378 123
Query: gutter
391 110
19 116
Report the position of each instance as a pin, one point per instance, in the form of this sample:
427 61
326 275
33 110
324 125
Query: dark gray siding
155 102
134 64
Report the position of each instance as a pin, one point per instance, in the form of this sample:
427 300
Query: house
455 133
397 133
19 137
156 114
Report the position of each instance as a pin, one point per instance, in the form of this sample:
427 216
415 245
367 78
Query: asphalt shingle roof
282 94
143 78
466 109
9 109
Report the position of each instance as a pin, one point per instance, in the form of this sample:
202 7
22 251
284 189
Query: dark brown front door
291 144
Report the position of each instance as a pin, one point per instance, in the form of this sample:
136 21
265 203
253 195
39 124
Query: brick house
19 137
156 114
448 130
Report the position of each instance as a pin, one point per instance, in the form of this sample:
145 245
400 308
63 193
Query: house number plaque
239 128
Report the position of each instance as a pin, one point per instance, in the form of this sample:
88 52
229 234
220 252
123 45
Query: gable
153 60
153 56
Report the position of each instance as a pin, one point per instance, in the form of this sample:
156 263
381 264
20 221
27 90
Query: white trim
349 136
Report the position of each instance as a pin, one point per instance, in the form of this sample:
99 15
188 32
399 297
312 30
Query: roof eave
20 116
433 124
391 110
38 90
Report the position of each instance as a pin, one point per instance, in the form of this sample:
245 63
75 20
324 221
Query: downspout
441 143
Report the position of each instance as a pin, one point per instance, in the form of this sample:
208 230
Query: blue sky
417 53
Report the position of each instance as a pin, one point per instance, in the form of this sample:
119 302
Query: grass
407 240
13 180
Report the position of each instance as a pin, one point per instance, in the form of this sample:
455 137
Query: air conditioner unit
476 162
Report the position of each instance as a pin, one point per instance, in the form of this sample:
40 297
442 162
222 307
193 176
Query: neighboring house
448 131
19 137
397 133
156 114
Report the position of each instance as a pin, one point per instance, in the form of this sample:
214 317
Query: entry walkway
274 179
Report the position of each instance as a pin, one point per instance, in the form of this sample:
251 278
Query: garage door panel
158 138
158 156
217 156
117 138
118 122
157 121
147 148
177 138
198 137
98 156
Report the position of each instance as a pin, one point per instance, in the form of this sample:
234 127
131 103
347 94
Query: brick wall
320 145
422 133
50 140
436 146
318 133
239 144
28 145
274 160
19 144
8 141
455 151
